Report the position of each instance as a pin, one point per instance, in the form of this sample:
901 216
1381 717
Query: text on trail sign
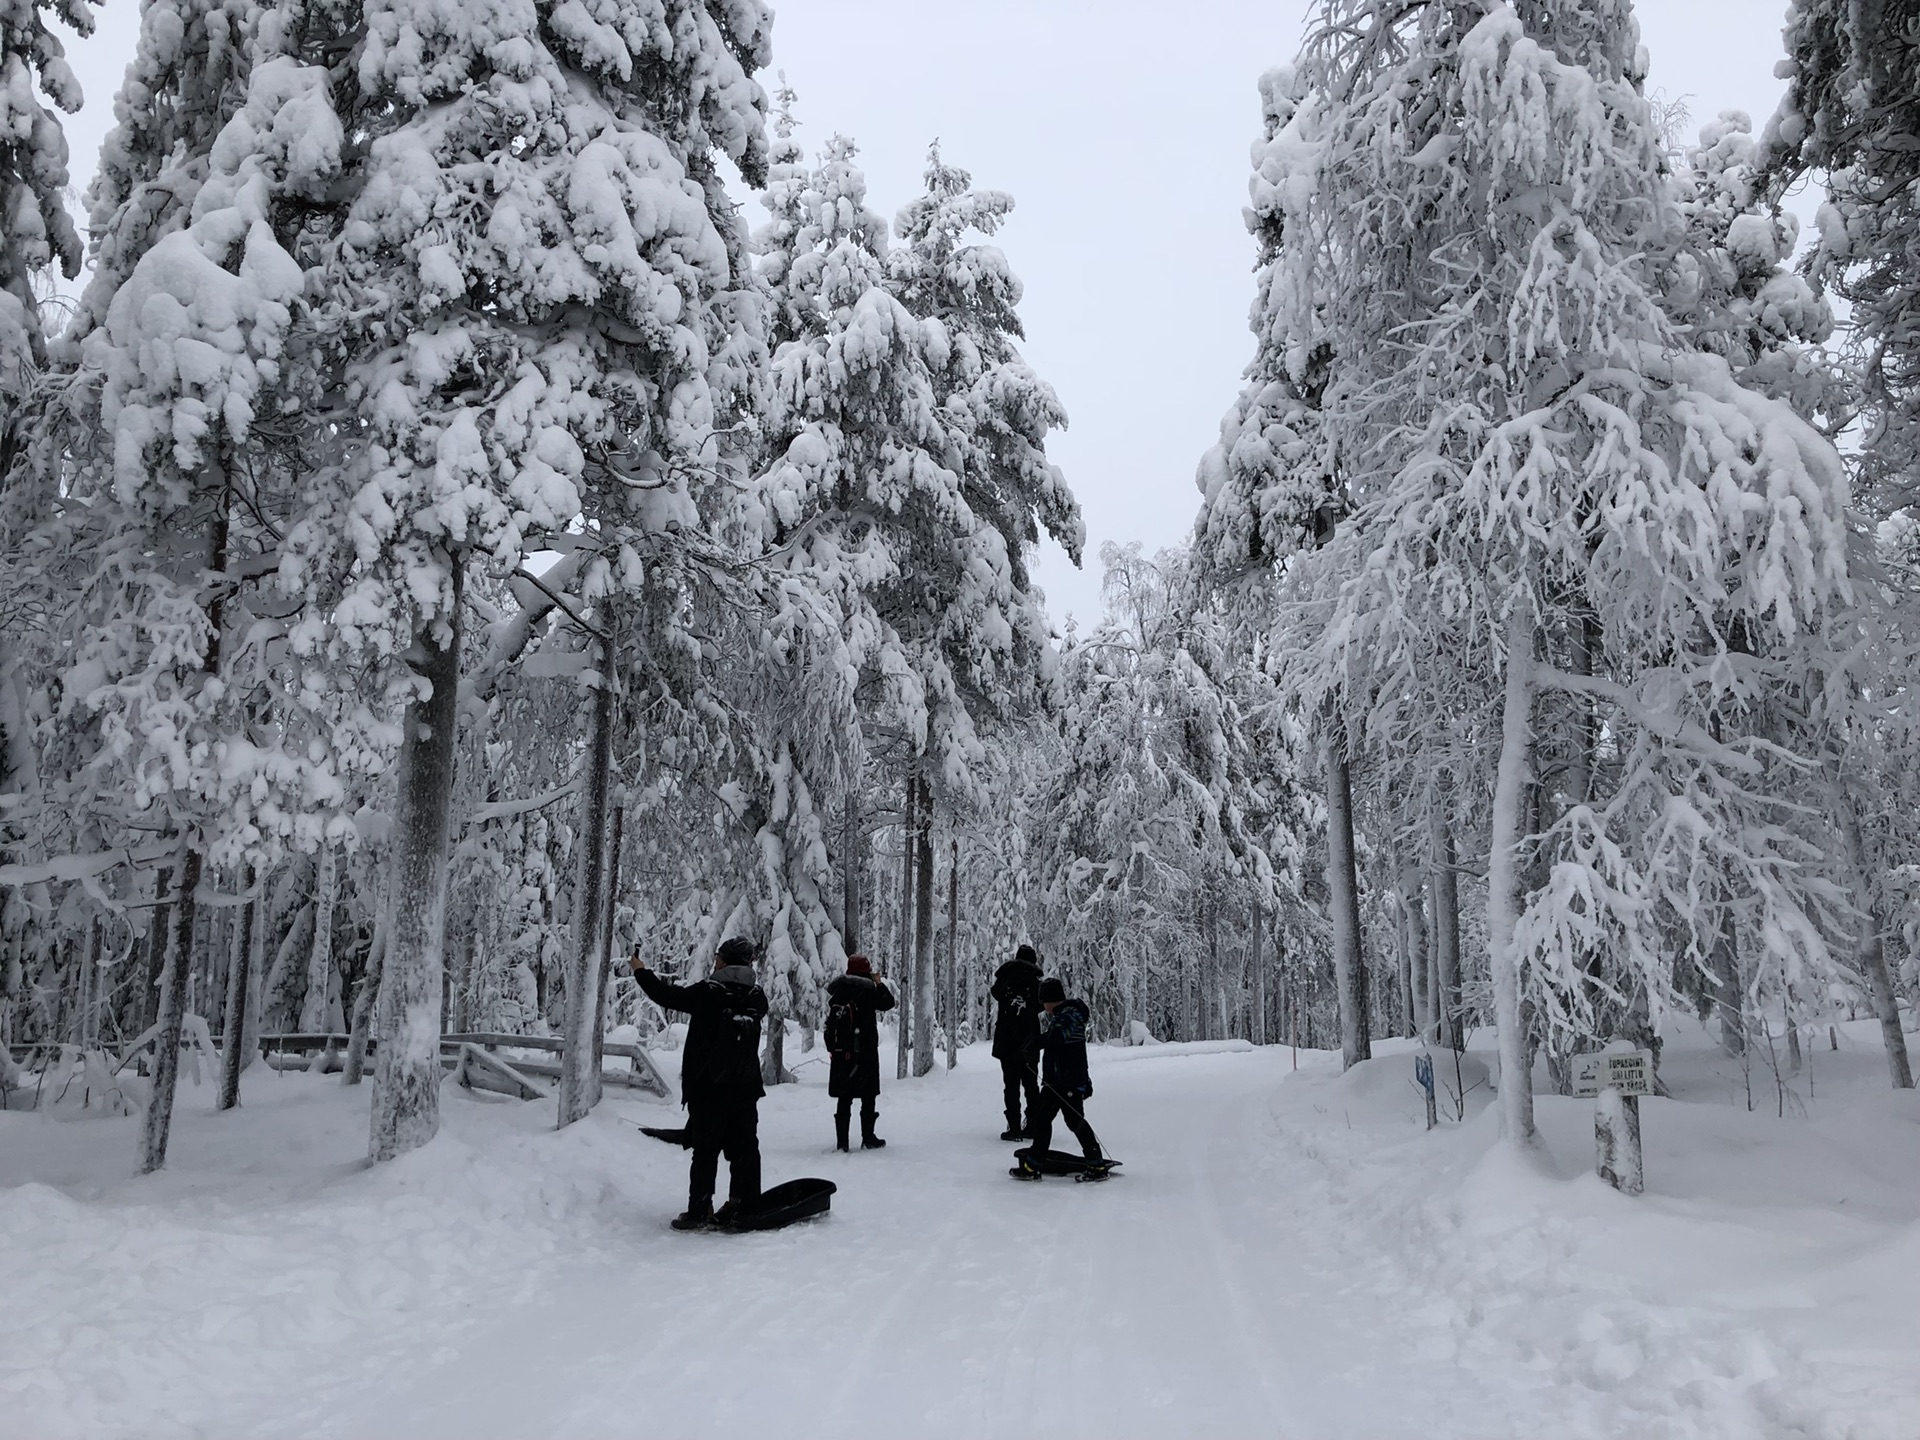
1630 1074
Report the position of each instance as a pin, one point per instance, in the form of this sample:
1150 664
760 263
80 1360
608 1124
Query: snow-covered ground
1284 1255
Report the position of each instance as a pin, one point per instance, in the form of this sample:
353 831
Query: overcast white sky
1122 130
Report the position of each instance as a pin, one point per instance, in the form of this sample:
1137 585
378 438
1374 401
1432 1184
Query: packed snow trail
1283 1255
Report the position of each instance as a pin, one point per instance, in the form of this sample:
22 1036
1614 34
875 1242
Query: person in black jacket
1016 1025
1065 1083
855 1001
719 1078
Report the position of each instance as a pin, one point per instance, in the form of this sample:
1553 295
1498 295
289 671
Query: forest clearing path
1286 1256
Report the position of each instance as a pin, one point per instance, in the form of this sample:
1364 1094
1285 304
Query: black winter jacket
721 1060
856 1072
1063 1049
1016 986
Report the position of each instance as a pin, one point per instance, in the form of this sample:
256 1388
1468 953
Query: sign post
1616 1080
1423 1077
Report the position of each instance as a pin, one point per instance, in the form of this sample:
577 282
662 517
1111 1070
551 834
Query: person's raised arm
663 992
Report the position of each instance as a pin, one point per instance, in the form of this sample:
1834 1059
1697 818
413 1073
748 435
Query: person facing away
1016 1025
855 1001
1065 1083
719 1078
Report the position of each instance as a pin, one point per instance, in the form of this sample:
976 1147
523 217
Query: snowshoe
1063 1162
1101 1171
1014 1135
1024 1171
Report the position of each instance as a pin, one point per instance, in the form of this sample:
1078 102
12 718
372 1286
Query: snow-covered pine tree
1852 111
1533 448
1167 802
909 474
519 304
1269 493
35 230
165 723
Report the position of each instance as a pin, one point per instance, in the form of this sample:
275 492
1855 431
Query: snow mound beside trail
1754 1291
269 1261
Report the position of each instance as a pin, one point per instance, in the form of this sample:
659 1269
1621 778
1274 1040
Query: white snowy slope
1283 1255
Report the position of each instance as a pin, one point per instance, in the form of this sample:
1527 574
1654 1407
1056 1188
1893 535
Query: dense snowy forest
499 501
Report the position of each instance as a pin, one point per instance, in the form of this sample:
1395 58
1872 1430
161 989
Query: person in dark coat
1016 1025
855 1002
1065 1083
719 1078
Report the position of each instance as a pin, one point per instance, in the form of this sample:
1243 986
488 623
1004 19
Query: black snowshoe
1037 1163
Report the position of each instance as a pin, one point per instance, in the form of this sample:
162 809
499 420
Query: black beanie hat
1028 954
1052 989
737 951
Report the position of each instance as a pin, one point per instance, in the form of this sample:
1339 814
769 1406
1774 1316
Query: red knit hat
859 965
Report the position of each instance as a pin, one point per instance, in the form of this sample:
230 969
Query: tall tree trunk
1729 989
314 1011
1445 884
1503 879
406 1073
239 978
1343 891
158 1120
89 979
606 949
850 848
157 931
579 1076
1418 946
366 996
1870 951
1258 949
923 1000
953 957
157 1123
904 1011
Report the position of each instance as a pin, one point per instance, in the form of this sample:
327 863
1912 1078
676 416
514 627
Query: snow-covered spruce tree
1534 449
35 229
1270 492
996 415
909 475
166 690
521 291
1156 815
1850 112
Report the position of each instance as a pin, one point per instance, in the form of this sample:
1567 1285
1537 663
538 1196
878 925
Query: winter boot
869 1140
699 1216
1013 1130
1024 1170
842 1122
727 1216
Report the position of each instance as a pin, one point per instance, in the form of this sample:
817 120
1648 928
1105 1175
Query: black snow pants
1068 1108
731 1127
1016 1075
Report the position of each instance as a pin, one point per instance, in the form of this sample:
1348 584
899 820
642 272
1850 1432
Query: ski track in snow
1282 1255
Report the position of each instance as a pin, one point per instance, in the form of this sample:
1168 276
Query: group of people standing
1039 1038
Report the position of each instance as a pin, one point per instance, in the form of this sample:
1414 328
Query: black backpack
843 1028
736 1046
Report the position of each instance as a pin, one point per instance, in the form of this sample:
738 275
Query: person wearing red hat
855 1002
